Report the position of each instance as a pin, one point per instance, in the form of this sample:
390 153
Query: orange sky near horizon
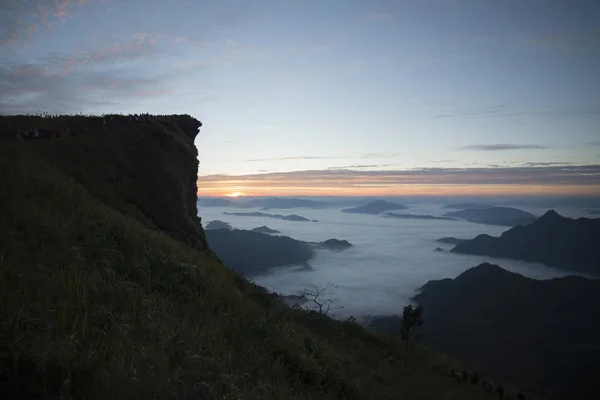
583 180
249 189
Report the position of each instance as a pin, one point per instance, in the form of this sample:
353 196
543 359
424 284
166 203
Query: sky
348 97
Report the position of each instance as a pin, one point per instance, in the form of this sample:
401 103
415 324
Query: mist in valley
390 258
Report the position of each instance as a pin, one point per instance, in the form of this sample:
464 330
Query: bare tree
317 299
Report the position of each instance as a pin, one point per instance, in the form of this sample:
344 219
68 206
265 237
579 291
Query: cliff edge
145 167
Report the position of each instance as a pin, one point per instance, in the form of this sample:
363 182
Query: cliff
108 289
146 169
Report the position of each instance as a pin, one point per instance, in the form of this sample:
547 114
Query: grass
97 302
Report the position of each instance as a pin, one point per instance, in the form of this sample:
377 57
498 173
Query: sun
235 194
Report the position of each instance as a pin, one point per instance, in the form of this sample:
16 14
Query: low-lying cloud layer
390 258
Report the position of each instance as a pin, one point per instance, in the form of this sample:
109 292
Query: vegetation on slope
97 302
541 334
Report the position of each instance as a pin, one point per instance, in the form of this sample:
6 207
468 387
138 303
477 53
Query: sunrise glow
235 194
546 181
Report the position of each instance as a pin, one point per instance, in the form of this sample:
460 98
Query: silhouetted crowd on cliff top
42 133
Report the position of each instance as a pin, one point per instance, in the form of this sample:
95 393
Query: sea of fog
391 258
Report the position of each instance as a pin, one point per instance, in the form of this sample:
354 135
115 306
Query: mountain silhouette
505 216
264 229
291 217
416 216
541 334
375 207
557 241
216 224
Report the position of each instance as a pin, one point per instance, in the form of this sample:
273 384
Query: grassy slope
95 303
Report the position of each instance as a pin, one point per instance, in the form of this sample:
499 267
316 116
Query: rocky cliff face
144 168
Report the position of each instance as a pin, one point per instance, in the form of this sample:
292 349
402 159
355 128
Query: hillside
109 290
566 243
542 335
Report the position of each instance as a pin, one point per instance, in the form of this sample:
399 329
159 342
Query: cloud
547 164
19 19
60 83
378 155
573 111
71 81
359 166
501 147
541 175
296 158
440 161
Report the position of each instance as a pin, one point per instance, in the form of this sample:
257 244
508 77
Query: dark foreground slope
542 335
98 303
570 244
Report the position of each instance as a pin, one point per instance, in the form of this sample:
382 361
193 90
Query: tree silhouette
318 299
412 317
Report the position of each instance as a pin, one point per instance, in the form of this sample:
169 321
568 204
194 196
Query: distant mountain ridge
215 202
417 216
216 224
334 244
451 240
264 203
264 229
251 252
506 216
557 241
283 203
291 217
375 207
467 206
